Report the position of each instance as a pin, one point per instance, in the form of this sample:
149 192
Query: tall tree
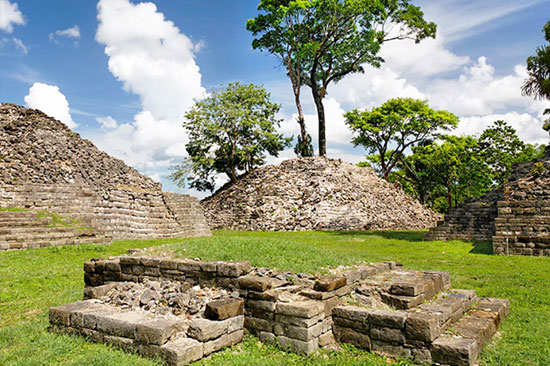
389 130
330 39
229 132
537 85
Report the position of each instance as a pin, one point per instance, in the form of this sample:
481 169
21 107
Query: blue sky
102 68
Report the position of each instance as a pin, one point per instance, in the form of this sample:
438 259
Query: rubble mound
314 193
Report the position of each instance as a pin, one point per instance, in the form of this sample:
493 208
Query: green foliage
392 128
229 132
55 278
322 41
304 147
537 84
537 169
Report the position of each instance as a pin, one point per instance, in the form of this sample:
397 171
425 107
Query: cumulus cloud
51 101
153 59
10 15
107 123
16 42
71 33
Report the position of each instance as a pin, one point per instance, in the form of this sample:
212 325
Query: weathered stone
223 309
407 289
257 324
182 351
391 335
255 283
233 269
225 340
97 292
156 331
455 351
388 318
60 315
390 349
326 339
300 322
329 283
355 313
204 329
261 305
347 335
301 309
125 344
403 302
120 324
298 346
422 326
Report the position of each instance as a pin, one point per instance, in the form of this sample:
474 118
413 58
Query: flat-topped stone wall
379 306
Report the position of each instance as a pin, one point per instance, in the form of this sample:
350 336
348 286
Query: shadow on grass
482 247
387 234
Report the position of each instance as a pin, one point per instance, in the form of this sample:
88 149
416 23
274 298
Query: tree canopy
389 130
229 132
537 84
321 41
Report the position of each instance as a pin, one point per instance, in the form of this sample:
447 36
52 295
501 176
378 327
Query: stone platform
378 306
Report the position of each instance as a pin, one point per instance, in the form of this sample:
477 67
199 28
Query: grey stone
182 351
204 329
223 309
225 340
301 309
455 351
422 326
298 346
255 283
388 318
347 335
391 335
156 331
329 283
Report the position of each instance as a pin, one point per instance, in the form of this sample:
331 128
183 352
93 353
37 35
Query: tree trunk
233 174
322 124
450 199
301 119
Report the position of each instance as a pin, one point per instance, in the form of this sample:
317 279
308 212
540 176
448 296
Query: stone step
15 214
47 243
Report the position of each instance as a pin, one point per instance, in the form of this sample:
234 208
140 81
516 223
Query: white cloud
107 123
154 60
72 32
19 44
51 101
10 15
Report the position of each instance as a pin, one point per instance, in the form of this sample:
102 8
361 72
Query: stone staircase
27 230
416 314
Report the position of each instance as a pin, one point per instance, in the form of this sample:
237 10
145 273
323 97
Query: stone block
388 318
355 313
455 351
255 283
97 292
326 339
390 349
261 305
391 335
298 346
300 322
347 335
300 309
329 283
205 330
352 275
300 333
403 302
157 331
407 289
223 309
269 295
182 351
60 315
120 324
255 324
233 269
267 337
480 329
125 344
422 327
225 340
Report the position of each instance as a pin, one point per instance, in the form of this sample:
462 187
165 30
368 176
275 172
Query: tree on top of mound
230 132
322 41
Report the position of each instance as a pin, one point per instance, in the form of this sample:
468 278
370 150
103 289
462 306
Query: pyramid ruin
315 193
516 218
44 166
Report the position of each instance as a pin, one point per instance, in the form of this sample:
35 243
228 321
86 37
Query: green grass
57 220
34 280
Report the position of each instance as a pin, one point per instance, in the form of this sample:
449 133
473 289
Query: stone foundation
378 307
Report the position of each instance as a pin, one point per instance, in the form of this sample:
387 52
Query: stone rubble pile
380 307
314 194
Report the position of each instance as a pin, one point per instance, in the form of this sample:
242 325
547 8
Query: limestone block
298 346
97 292
156 331
204 329
225 340
354 313
300 322
407 289
233 269
391 335
329 283
326 339
119 324
257 324
261 305
422 327
301 309
390 349
255 283
182 351
223 309
347 335
60 315
455 351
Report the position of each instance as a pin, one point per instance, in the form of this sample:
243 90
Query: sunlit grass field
32 281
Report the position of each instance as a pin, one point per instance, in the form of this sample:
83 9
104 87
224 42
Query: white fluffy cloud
51 101
154 60
107 123
10 15
72 32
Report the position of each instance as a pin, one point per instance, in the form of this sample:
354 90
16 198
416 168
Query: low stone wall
396 312
121 212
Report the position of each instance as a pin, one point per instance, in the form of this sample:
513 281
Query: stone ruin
182 310
46 166
516 218
315 193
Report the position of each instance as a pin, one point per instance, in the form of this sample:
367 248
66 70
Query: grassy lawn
32 281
